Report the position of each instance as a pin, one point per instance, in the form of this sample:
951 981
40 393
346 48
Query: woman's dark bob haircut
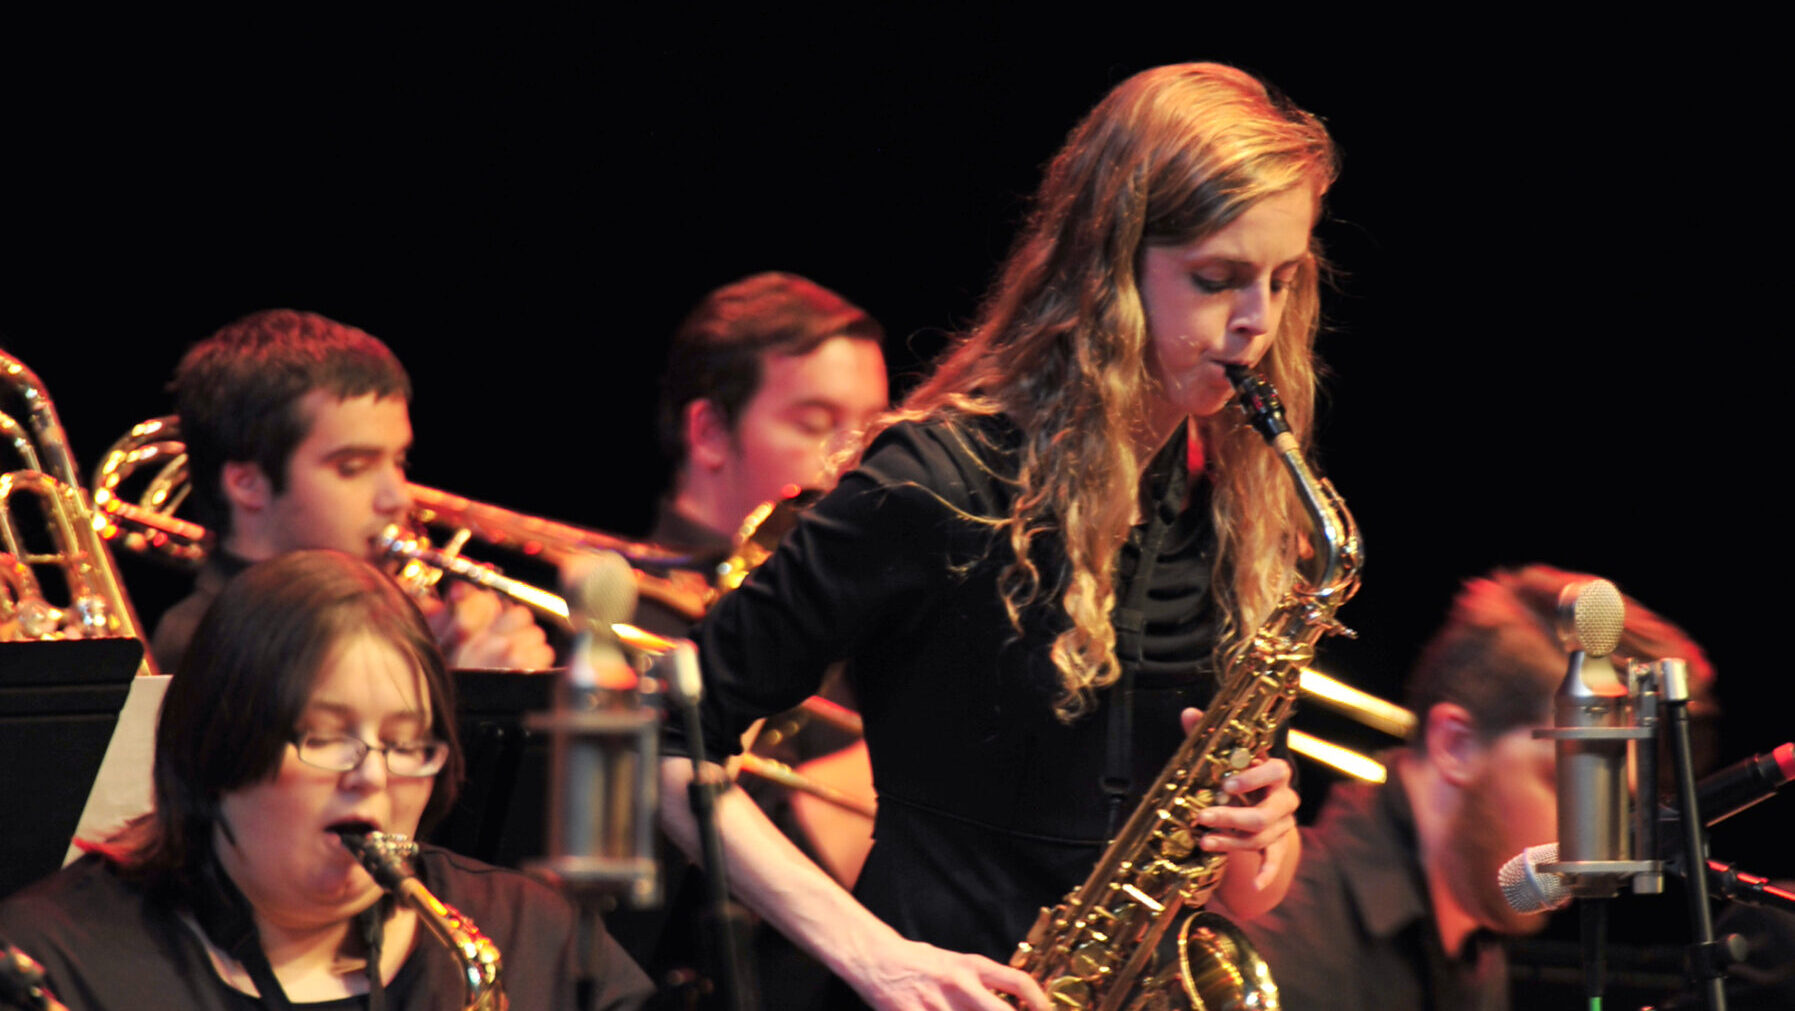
235 703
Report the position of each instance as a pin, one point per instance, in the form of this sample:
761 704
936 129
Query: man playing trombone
297 431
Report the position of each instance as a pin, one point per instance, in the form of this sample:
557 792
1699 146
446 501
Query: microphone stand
1748 889
739 990
604 740
1707 960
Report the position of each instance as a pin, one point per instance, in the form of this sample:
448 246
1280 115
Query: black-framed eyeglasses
343 753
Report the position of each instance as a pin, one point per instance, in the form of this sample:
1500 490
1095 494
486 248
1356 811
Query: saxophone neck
388 859
1334 566
1332 572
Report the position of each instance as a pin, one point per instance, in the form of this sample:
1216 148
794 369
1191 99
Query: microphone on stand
1592 768
1592 725
601 592
1529 889
728 926
605 747
1719 796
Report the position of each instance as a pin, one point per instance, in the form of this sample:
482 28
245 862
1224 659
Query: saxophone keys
1069 992
1178 844
1157 876
1090 960
1042 930
1197 801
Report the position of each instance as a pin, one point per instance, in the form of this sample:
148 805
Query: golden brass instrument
1110 944
97 606
659 572
148 525
388 859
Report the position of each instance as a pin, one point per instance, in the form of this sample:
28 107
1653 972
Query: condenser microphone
604 745
1719 796
601 592
1591 714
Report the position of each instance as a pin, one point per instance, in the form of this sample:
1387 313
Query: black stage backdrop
1552 254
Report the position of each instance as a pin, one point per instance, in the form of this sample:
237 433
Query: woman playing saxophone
312 705
1049 549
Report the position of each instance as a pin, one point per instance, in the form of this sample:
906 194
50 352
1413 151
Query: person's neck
1434 803
297 953
698 502
248 543
1151 437
317 963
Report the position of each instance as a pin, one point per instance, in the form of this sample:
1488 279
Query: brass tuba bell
63 540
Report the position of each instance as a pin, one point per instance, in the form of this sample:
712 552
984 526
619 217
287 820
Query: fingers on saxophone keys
1238 827
1230 828
1263 775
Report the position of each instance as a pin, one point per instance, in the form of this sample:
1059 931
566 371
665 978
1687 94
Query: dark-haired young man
769 382
297 431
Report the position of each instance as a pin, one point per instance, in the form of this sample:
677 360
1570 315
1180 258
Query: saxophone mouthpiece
387 857
1259 399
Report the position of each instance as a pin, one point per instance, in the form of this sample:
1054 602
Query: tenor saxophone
1111 943
388 859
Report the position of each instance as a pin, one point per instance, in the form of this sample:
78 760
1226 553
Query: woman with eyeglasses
313 703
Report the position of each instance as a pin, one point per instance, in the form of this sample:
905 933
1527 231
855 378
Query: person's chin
349 894
1208 406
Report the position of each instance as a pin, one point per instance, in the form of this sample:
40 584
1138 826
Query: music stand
499 817
59 703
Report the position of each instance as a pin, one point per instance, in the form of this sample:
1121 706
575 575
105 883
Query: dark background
1553 254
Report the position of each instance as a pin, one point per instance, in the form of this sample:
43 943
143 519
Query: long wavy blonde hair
1170 156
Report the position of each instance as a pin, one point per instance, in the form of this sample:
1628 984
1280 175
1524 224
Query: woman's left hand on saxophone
1257 830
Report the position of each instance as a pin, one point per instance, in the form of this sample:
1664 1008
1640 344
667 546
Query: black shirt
1356 932
989 806
174 630
107 942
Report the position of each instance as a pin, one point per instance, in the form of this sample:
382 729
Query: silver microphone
601 592
1591 704
1529 889
1592 728
605 748
1720 795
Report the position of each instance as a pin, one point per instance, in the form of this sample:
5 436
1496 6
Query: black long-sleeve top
989 806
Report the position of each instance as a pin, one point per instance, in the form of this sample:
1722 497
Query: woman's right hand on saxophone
1257 831
888 971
